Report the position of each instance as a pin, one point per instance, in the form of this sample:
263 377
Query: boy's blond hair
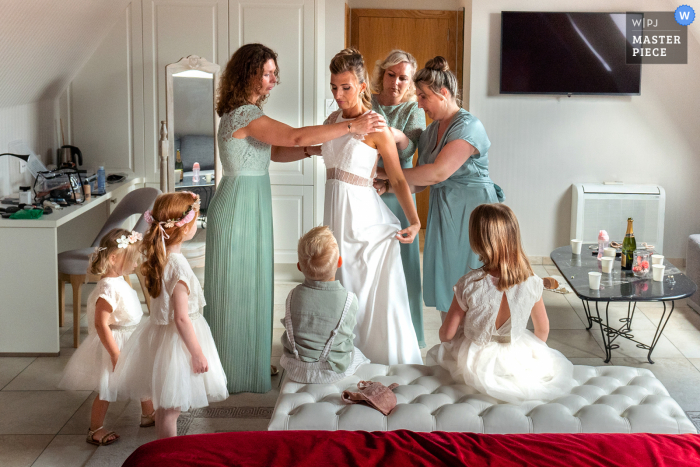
318 253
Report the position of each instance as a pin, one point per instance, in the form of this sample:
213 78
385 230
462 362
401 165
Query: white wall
33 124
543 144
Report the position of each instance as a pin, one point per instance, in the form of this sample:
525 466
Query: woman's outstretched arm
276 133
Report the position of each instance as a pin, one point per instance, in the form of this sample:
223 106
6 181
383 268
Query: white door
287 27
173 29
292 216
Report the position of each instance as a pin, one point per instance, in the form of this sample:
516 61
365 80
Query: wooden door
422 33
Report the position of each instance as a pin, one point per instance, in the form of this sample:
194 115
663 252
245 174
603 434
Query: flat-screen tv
566 53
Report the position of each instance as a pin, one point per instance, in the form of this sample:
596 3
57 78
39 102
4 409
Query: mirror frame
191 62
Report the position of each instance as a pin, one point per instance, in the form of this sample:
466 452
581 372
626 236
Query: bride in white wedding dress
368 233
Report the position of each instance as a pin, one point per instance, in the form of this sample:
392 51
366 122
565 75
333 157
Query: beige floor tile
574 343
80 421
683 318
539 270
282 289
276 342
66 338
219 425
278 314
43 374
10 367
618 311
688 342
664 348
66 451
680 377
38 412
21 450
695 362
431 318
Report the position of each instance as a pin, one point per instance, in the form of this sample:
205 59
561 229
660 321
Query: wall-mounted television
566 53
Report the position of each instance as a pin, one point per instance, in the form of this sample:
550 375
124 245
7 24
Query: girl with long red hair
171 356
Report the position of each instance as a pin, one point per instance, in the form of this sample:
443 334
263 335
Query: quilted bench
606 399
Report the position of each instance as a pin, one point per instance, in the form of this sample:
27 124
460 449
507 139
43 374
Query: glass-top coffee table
620 286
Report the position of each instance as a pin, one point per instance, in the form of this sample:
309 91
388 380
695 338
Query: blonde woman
368 233
395 99
453 160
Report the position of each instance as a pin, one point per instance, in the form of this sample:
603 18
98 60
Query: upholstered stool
692 268
606 399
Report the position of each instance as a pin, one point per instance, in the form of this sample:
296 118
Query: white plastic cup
594 280
607 264
207 178
657 259
610 252
658 272
576 246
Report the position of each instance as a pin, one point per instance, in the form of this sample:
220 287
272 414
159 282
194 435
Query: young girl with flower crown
113 312
172 357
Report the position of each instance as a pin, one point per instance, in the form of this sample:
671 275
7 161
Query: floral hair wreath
124 241
186 218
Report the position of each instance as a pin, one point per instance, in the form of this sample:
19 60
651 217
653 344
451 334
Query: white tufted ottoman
607 399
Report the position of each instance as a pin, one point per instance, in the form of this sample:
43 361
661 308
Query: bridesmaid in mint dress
395 101
238 285
453 161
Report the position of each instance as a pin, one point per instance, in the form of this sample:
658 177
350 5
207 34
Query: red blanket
407 448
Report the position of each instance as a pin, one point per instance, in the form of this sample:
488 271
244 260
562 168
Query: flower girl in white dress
113 312
484 337
172 357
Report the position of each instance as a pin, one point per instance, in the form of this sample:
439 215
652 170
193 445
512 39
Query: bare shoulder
380 137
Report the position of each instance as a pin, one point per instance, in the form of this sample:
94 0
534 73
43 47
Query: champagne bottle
629 244
178 165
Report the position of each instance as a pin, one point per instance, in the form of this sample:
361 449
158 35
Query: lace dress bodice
246 154
126 307
482 300
177 269
349 153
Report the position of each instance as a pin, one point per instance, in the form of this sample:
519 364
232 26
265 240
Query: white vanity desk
29 269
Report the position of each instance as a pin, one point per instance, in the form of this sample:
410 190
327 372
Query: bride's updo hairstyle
437 75
494 235
351 60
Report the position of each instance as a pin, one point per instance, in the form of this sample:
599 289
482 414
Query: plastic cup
657 259
610 252
576 246
658 272
607 264
594 280
207 177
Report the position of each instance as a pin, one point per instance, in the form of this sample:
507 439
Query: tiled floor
43 426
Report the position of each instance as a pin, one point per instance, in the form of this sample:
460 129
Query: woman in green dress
394 99
453 161
238 284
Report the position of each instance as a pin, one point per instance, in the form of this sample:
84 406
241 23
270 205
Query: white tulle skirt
90 367
514 372
156 364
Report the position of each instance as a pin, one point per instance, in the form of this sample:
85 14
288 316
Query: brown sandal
103 441
550 283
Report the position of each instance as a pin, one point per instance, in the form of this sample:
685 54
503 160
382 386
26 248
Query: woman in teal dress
453 161
394 99
238 285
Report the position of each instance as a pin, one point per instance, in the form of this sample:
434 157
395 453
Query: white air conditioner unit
596 207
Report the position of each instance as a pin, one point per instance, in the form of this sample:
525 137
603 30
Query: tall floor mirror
192 122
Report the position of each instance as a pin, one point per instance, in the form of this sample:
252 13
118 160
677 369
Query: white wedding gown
366 230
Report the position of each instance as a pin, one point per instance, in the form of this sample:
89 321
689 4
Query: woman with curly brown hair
239 260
